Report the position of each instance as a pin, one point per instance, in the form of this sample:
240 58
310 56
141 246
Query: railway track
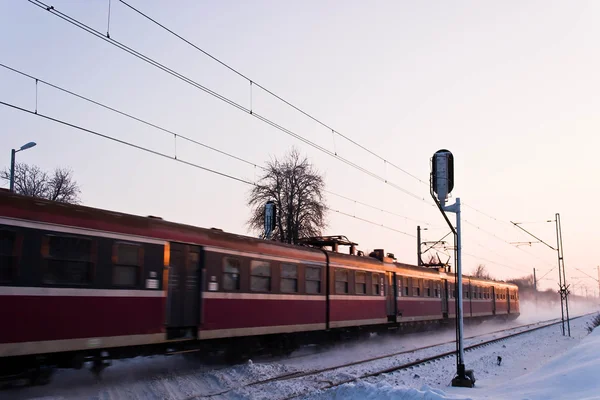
314 373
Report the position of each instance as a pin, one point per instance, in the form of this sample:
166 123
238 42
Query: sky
511 88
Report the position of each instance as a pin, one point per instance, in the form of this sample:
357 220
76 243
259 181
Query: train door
183 297
493 300
391 296
444 295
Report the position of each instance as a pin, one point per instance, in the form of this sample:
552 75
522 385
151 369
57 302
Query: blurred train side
78 284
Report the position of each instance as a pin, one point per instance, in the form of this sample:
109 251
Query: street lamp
12 163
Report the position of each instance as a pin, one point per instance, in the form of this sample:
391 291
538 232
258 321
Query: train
81 284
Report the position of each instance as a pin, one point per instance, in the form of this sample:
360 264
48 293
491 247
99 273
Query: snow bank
383 391
572 375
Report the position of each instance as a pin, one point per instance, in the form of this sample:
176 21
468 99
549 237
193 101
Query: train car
81 284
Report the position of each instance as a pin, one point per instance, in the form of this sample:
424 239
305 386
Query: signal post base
464 378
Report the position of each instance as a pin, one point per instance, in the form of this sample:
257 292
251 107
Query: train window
7 256
127 262
341 281
377 286
416 287
360 282
453 293
437 292
231 273
68 260
406 286
289 278
260 276
428 288
313 280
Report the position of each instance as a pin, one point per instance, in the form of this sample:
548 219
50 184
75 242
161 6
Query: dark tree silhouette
524 283
296 188
30 180
481 272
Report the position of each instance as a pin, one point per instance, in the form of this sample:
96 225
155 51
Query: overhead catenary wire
180 136
288 103
253 82
586 274
506 242
231 102
225 99
173 158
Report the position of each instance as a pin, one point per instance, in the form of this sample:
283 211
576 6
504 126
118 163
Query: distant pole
535 294
12 170
419 261
562 278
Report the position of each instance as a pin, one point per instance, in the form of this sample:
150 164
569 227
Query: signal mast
441 185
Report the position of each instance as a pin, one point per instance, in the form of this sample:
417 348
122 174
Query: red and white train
80 284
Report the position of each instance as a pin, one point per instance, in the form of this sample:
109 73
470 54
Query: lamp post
12 163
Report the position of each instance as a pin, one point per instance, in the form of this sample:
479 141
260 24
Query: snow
384 391
573 375
541 365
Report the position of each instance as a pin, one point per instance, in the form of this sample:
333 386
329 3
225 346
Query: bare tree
524 283
30 180
296 188
481 272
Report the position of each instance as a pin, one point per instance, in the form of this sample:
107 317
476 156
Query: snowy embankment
525 373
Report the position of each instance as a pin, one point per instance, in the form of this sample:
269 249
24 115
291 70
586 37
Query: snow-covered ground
531 364
526 373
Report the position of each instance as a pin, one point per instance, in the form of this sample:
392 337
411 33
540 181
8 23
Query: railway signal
441 185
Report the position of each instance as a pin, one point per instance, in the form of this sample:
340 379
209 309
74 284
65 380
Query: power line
158 153
154 152
158 65
173 158
380 209
489 261
543 276
505 241
586 274
225 99
253 82
372 223
178 135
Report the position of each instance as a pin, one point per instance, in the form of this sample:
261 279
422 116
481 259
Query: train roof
52 212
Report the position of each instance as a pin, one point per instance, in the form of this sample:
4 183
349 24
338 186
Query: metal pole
535 294
419 261
562 278
12 170
461 349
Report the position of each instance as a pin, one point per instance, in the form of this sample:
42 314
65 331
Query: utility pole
535 294
419 260
562 279
564 288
